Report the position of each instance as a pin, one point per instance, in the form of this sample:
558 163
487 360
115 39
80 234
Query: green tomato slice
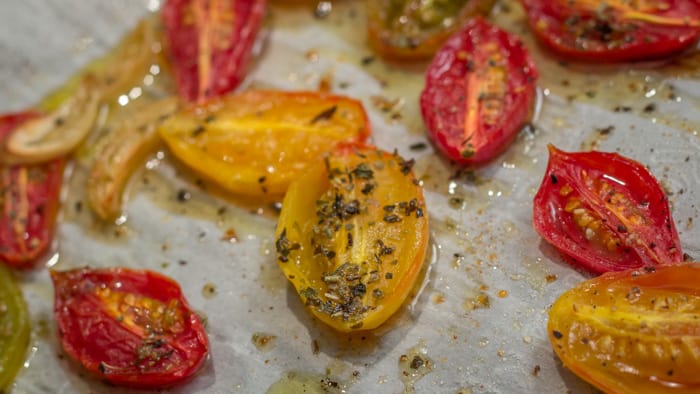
14 328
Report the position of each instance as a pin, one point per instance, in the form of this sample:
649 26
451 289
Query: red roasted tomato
479 92
606 212
29 201
131 328
209 42
615 30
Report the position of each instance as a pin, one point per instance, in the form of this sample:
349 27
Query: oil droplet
209 290
480 301
413 366
264 342
308 383
503 293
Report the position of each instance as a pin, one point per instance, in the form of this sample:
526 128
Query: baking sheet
480 318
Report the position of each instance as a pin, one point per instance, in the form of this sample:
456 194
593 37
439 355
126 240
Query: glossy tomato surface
129 327
29 202
415 29
210 43
352 237
479 92
605 211
256 143
615 31
14 328
632 331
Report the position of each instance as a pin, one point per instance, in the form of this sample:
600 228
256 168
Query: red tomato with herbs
29 202
132 328
210 43
606 212
479 92
616 30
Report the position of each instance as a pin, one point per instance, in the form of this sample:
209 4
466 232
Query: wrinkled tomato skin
102 334
29 202
210 47
571 32
352 236
470 116
633 331
644 233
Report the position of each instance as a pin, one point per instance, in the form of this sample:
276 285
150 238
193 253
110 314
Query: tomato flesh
210 43
29 202
132 328
615 31
606 212
479 92
632 331
256 142
415 29
352 237
14 328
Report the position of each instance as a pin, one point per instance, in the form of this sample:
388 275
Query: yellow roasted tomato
632 331
352 236
256 142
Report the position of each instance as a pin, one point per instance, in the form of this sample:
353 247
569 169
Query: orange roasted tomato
352 236
634 331
132 328
256 142
415 29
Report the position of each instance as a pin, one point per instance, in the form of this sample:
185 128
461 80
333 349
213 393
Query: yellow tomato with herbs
635 331
256 142
352 236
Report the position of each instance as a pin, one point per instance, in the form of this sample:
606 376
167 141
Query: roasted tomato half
29 202
632 331
256 142
605 211
479 92
14 328
131 328
352 236
616 30
415 29
210 43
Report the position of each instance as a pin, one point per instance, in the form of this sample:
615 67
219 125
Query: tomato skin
29 202
628 207
632 331
255 143
397 30
132 328
210 43
14 328
576 32
352 237
479 92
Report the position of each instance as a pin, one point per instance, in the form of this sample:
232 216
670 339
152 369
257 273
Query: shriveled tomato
130 327
29 201
14 328
256 142
479 92
616 30
605 211
632 331
352 236
415 29
210 42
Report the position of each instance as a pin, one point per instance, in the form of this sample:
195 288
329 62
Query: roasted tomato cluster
352 235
